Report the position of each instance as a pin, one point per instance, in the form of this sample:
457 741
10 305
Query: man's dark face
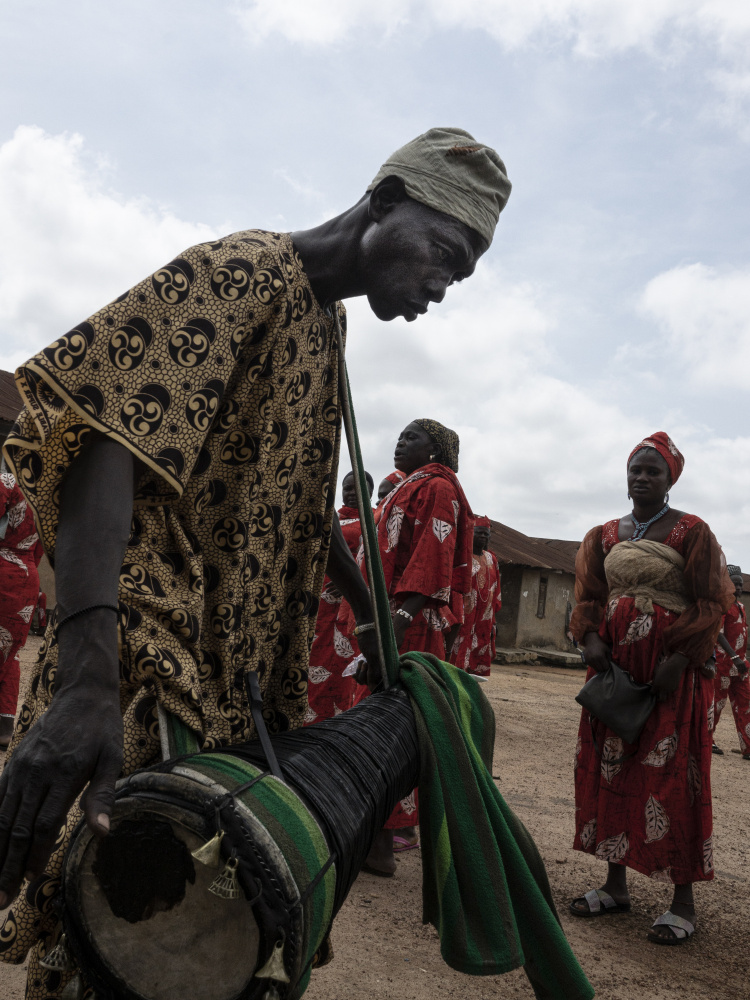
410 254
738 585
481 539
385 488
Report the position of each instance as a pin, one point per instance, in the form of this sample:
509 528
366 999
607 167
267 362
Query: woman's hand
668 675
598 653
708 670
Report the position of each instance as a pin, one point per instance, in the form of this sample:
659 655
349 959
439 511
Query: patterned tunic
652 810
19 586
329 691
728 683
474 648
219 372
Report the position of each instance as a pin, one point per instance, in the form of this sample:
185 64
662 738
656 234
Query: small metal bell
274 967
59 959
210 853
226 884
74 989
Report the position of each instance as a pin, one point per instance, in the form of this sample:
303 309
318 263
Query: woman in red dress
424 536
19 589
732 677
474 648
329 690
651 588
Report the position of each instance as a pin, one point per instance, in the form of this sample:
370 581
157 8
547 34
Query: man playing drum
180 449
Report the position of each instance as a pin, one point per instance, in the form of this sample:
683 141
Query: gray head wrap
448 170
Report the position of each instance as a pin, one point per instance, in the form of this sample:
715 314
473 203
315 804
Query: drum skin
137 910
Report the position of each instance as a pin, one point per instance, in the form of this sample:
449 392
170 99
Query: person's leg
615 885
380 860
739 699
683 905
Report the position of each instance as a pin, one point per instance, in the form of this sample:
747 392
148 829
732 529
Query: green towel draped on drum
485 888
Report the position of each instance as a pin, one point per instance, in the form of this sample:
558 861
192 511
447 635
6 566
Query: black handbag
621 703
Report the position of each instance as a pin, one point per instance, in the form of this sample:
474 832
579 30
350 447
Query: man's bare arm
78 740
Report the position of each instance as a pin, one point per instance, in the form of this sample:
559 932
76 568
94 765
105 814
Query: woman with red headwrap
474 648
424 538
329 689
651 588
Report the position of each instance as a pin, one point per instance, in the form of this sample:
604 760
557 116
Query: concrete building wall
507 616
542 608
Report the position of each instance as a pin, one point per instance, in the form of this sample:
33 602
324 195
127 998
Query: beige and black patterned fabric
219 372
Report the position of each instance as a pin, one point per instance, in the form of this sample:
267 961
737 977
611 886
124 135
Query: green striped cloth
484 886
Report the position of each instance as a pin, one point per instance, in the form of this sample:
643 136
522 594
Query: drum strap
255 698
376 578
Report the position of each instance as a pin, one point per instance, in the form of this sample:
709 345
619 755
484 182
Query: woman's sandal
402 844
682 930
599 903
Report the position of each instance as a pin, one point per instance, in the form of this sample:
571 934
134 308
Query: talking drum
219 881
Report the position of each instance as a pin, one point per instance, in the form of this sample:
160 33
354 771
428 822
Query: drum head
141 904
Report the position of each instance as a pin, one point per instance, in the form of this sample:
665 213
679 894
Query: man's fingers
17 826
99 798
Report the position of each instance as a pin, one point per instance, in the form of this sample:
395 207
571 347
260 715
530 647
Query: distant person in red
19 589
329 691
424 538
474 648
388 484
651 587
732 680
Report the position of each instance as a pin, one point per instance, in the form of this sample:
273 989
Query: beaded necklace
641 527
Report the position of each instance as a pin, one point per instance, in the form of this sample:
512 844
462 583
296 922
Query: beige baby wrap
650 572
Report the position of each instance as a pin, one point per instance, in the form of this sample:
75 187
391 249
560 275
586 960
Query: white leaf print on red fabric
331 597
316 675
341 644
611 752
719 706
6 641
456 509
393 527
638 629
612 607
488 611
28 543
695 784
441 529
725 682
11 557
16 514
588 834
433 619
27 612
579 744
409 804
664 751
442 595
336 710
708 855
613 848
8 480
710 717
309 715
662 875
657 821
470 601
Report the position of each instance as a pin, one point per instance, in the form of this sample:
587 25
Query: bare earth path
383 951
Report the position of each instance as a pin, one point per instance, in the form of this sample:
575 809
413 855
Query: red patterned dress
652 810
329 691
19 587
474 649
728 683
425 535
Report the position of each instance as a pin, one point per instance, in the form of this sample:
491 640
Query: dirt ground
382 950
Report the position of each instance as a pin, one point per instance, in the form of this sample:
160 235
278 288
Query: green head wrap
448 170
445 438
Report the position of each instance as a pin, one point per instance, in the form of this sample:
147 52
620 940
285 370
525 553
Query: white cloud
705 316
593 27
70 244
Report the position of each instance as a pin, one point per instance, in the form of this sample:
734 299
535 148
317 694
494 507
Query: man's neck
329 254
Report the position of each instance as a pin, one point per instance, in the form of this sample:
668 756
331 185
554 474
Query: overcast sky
615 300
